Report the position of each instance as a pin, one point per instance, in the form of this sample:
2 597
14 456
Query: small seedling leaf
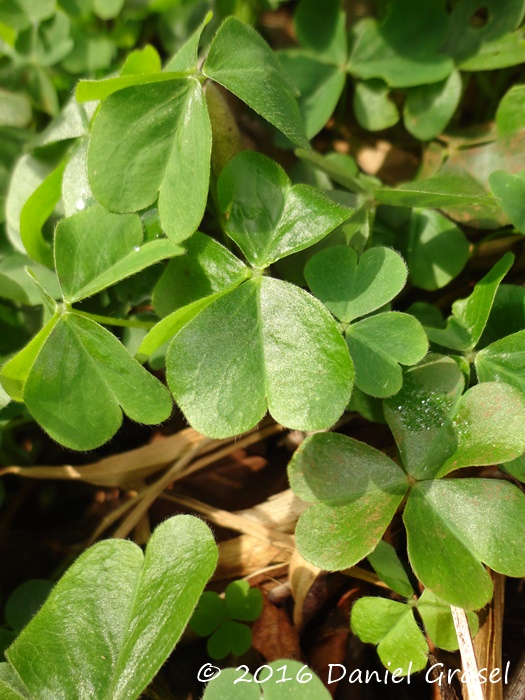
243 602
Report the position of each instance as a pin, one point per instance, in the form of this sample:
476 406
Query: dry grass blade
488 640
468 656
249 439
186 465
302 577
280 511
234 521
365 575
516 689
122 470
150 493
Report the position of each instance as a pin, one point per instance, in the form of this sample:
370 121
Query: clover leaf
95 249
25 601
469 316
351 288
388 567
429 108
348 482
317 70
278 348
152 136
391 625
76 378
253 73
219 619
473 323
503 360
153 140
516 467
509 189
436 250
401 645
453 525
209 265
404 49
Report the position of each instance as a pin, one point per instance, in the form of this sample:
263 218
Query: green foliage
429 108
114 153
408 50
390 569
272 338
221 619
75 376
436 250
100 616
268 218
254 74
167 159
509 189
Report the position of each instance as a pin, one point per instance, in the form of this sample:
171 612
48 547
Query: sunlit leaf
401 645
264 345
150 140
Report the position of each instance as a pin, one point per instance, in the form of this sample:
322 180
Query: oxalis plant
141 236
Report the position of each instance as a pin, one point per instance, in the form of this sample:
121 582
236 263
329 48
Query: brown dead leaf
273 635
330 642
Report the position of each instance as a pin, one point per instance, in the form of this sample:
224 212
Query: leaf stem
108 321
